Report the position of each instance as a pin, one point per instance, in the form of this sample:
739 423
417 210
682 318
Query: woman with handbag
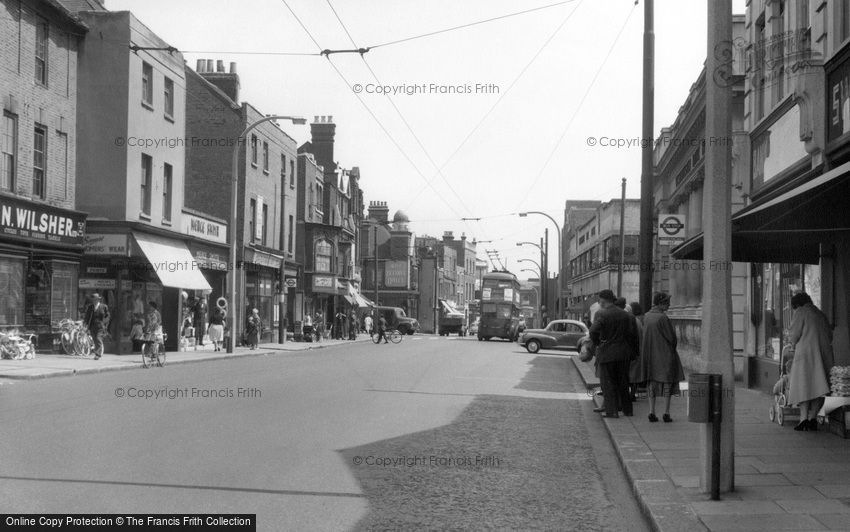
661 367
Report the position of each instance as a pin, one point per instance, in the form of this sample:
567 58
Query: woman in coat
661 367
810 339
253 326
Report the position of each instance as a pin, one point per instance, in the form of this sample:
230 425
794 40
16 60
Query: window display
12 288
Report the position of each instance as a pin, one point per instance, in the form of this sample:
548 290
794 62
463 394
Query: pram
779 410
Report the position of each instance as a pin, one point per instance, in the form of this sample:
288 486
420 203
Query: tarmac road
433 433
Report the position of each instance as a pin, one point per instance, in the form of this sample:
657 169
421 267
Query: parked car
558 334
397 319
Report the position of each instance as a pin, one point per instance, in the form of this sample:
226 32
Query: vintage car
559 334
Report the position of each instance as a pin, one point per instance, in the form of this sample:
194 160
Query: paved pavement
784 480
59 365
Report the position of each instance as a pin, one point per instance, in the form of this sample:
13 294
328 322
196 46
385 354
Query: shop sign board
96 284
35 222
671 229
291 282
106 244
324 283
838 94
209 260
202 228
395 274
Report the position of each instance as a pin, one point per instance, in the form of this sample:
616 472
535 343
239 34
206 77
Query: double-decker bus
499 306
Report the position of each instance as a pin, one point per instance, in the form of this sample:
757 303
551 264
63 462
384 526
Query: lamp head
299 121
523 214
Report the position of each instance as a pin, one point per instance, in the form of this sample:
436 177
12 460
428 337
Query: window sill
254 165
147 105
166 223
168 117
143 216
265 172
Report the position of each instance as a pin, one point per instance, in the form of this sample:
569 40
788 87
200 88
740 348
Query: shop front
209 249
320 301
130 269
261 276
40 251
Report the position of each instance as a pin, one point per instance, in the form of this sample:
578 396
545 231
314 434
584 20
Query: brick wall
53 106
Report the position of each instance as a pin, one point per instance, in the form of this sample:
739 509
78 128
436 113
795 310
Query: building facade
594 253
267 191
41 230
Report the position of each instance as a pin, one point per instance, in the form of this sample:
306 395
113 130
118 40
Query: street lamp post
234 169
542 266
560 256
536 291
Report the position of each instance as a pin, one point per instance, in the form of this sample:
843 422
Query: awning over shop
349 299
359 300
448 308
788 227
172 262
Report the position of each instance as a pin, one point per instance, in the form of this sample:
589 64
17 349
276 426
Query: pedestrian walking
615 337
253 328
661 367
382 330
97 320
339 324
216 328
352 326
634 368
368 323
810 340
199 319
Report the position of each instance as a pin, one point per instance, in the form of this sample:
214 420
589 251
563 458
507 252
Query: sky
516 114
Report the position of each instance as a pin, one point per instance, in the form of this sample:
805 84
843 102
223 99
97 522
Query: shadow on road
503 463
547 374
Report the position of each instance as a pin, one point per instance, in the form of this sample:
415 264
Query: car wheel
533 346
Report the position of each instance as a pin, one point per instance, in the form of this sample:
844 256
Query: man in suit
96 320
616 339
199 319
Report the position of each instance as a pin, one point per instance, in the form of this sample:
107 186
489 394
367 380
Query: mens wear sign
30 221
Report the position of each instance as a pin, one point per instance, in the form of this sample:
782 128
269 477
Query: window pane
38 159
166 193
12 288
8 142
147 83
169 97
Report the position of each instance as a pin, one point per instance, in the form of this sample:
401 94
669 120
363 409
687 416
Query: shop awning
788 227
359 300
350 300
448 308
172 262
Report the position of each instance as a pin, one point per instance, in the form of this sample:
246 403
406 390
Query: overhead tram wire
468 25
369 110
400 114
505 93
575 113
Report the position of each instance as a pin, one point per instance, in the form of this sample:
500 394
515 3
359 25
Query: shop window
12 288
37 298
773 286
63 297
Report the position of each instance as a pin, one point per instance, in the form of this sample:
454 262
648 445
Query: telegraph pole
717 241
622 240
646 174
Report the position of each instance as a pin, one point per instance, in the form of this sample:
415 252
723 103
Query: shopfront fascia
130 268
797 240
40 251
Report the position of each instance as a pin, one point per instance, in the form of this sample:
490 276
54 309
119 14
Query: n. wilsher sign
24 220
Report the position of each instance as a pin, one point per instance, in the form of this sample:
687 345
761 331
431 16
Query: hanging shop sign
34 222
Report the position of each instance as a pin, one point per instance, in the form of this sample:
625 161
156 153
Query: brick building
331 271
267 189
41 233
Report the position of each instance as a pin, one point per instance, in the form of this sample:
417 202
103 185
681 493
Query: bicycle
393 336
17 346
153 349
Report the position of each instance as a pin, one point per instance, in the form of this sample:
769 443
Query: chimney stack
228 82
322 132
379 211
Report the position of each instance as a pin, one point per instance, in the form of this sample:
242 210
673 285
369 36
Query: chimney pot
219 66
233 67
330 119
200 67
209 67
316 119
